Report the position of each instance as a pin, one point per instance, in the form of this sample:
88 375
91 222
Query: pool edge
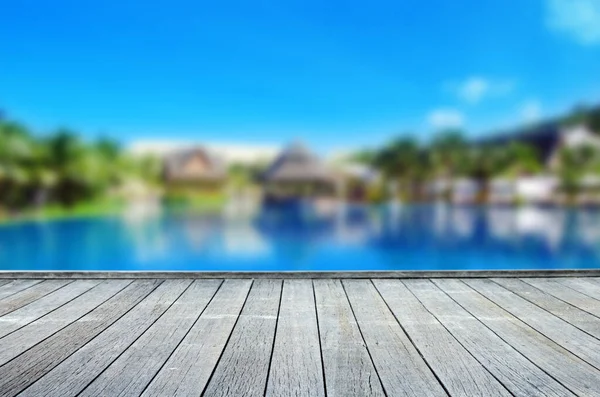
7 274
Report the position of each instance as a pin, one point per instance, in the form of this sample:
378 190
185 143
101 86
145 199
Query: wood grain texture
296 368
472 337
28 336
349 370
15 286
134 369
3 282
590 287
567 312
402 370
73 374
511 368
29 295
244 365
41 307
461 374
568 295
558 330
28 367
188 369
568 369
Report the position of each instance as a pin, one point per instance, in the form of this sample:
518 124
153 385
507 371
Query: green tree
574 163
402 160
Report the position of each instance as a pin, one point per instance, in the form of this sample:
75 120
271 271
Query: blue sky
338 74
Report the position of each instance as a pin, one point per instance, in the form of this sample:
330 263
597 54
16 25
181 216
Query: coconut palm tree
574 163
448 156
16 154
401 161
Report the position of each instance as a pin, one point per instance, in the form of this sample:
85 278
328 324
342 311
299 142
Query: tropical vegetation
59 172
449 156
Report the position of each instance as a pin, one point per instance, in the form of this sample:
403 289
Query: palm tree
400 161
522 160
16 151
448 156
574 163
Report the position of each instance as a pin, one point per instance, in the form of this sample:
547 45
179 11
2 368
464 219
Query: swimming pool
425 237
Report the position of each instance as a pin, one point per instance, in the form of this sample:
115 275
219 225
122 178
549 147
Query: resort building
548 139
297 172
194 167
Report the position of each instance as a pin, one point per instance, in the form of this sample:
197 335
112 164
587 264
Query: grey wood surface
558 330
29 295
300 337
135 368
77 371
589 287
3 282
402 370
41 307
349 370
522 377
296 368
244 365
571 296
30 335
457 369
559 363
188 369
560 308
25 369
15 286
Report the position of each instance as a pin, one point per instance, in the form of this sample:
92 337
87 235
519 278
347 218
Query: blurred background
183 109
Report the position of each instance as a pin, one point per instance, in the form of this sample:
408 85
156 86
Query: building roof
175 163
297 164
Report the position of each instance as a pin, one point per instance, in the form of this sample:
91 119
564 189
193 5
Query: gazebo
298 173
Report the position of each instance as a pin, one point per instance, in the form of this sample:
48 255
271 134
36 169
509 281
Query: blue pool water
356 238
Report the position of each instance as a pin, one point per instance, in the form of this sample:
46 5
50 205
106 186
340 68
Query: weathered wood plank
188 369
15 286
565 367
456 368
349 370
402 370
516 372
29 295
134 369
585 286
569 313
73 374
567 294
26 337
296 368
3 282
558 330
244 365
27 314
25 369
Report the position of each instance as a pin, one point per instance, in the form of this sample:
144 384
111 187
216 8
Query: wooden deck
300 337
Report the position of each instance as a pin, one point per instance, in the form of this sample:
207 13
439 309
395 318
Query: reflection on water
389 237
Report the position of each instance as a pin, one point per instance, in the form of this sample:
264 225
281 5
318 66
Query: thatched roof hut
297 164
298 171
193 165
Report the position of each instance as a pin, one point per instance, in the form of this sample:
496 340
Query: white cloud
580 19
475 88
531 111
445 118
